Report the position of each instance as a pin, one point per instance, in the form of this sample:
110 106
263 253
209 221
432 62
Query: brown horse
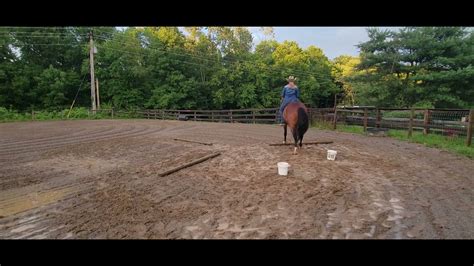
296 117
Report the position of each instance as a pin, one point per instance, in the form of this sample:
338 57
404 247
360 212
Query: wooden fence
449 122
232 116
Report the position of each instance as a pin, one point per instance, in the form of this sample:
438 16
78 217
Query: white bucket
332 155
283 168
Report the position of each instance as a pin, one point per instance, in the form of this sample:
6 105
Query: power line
142 53
46 44
42 34
186 53
299 72
275 71
75 97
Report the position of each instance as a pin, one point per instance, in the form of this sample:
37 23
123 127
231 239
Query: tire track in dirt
66 135
52 141
377 188
86 139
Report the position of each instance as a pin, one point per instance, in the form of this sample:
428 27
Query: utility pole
91 62
98 98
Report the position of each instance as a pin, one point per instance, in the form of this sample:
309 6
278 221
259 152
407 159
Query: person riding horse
289 94
293 113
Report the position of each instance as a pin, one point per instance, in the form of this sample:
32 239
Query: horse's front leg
284 133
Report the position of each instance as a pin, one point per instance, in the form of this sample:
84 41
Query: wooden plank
185 140
365 120
200 160
410 126
379 118
304 143
426 122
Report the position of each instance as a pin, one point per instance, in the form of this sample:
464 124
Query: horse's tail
303 122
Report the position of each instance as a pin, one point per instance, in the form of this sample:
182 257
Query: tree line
47 68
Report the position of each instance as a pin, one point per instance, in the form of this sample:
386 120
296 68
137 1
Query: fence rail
254 116
448 122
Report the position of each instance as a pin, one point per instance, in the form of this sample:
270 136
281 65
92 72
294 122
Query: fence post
231 120
194 115
426 128
32 114
212 116
470 127
410 125
253 116
334 122
112 113
379 118
365 119
310 117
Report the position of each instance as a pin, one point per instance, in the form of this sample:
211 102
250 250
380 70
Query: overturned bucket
283 168
332 155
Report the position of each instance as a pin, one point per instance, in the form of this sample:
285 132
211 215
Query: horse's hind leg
295 137
301 141
285 129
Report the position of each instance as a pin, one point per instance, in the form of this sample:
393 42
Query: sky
334 41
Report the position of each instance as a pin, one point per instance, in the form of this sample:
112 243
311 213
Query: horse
295 116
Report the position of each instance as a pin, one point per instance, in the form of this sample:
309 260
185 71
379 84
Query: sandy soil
99 179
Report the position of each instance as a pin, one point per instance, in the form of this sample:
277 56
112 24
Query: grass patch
76 113
452 144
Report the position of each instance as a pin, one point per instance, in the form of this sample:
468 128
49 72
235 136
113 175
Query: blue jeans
283 105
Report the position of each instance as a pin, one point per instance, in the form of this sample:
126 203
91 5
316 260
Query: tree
343 68
156 67
429 66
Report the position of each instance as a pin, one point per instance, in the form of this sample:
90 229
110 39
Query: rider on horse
289 94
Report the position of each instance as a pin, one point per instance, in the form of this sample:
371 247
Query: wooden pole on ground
189 164
185 140
305 143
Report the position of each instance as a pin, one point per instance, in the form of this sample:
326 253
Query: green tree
429 66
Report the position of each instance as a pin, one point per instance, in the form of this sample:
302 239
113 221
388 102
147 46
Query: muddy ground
99 179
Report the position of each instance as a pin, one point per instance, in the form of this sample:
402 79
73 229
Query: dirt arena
99 179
